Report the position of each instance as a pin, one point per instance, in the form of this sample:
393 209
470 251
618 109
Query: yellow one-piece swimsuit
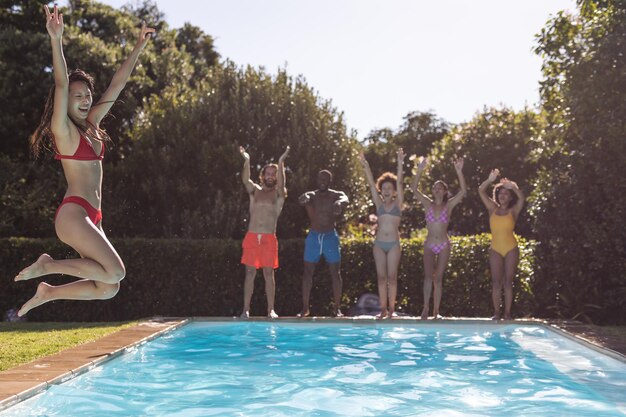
502 237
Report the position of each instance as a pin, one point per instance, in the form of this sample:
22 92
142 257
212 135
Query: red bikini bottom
94 214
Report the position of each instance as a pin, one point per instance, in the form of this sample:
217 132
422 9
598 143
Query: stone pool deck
24 381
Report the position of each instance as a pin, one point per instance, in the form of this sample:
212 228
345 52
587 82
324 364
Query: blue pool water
345 369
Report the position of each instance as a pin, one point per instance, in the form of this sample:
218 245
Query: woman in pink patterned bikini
437 244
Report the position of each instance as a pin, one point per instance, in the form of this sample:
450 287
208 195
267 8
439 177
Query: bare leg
440 267
307 283
248 288
335 274
429 271
497 271
270 291
100 263
510 266
79 290
393 262
380 258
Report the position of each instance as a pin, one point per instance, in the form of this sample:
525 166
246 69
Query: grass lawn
23 342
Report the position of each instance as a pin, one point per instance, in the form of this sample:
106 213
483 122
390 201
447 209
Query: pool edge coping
40 386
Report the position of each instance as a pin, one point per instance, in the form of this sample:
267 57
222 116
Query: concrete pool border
25 381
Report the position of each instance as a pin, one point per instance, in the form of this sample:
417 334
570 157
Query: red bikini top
84 152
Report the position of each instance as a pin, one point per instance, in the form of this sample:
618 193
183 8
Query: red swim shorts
260 250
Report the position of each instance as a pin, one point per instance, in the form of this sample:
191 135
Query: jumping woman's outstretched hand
54 22
144 35
458 164
494 175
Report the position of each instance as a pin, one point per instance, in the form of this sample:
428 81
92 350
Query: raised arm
517 208
245 172
59 123
420 166
120 78
456 199
370 179
482 191
280 180
400 178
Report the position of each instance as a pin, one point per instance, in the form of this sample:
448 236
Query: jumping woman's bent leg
100 261
496 264
429 270
393 262
510 266
440 268
380 258
270 291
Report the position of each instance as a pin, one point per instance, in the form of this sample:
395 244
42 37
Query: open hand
243 153
493 175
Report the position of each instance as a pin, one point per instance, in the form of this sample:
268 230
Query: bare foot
302 314
392 315
424 313
245 315
382 315
437 317
495 318
508 317
338 313
35 270
272 314
40 297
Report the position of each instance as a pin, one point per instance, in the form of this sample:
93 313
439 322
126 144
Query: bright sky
377 60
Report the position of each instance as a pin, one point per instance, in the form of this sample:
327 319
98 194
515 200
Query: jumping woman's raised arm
456 199
482 191
370 180
118 82
59 123
420 166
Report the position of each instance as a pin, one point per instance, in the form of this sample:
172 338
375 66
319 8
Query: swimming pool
345 369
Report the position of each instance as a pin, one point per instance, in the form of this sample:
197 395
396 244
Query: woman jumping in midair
437 244
71 127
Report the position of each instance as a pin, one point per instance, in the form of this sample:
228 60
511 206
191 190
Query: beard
269 183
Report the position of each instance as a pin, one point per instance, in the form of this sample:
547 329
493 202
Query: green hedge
204 278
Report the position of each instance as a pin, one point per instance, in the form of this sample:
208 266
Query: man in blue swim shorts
323 206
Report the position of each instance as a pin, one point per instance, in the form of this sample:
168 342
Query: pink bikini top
442 218
84 152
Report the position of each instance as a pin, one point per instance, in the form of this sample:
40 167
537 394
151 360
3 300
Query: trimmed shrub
204 278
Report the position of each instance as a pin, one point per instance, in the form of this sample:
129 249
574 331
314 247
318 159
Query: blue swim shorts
318 244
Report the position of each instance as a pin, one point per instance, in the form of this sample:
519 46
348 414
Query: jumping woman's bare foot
338 313
303 314
425 313
245 315
35 270
272 314
40 297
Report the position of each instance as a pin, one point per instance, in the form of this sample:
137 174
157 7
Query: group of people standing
70 127
260 247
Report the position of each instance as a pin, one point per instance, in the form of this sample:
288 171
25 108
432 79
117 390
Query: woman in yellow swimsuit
504 209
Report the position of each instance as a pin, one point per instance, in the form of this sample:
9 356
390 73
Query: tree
495 138
580 199
186 165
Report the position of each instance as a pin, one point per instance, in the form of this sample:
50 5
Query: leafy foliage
580 196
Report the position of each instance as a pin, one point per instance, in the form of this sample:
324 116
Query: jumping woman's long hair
43 138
